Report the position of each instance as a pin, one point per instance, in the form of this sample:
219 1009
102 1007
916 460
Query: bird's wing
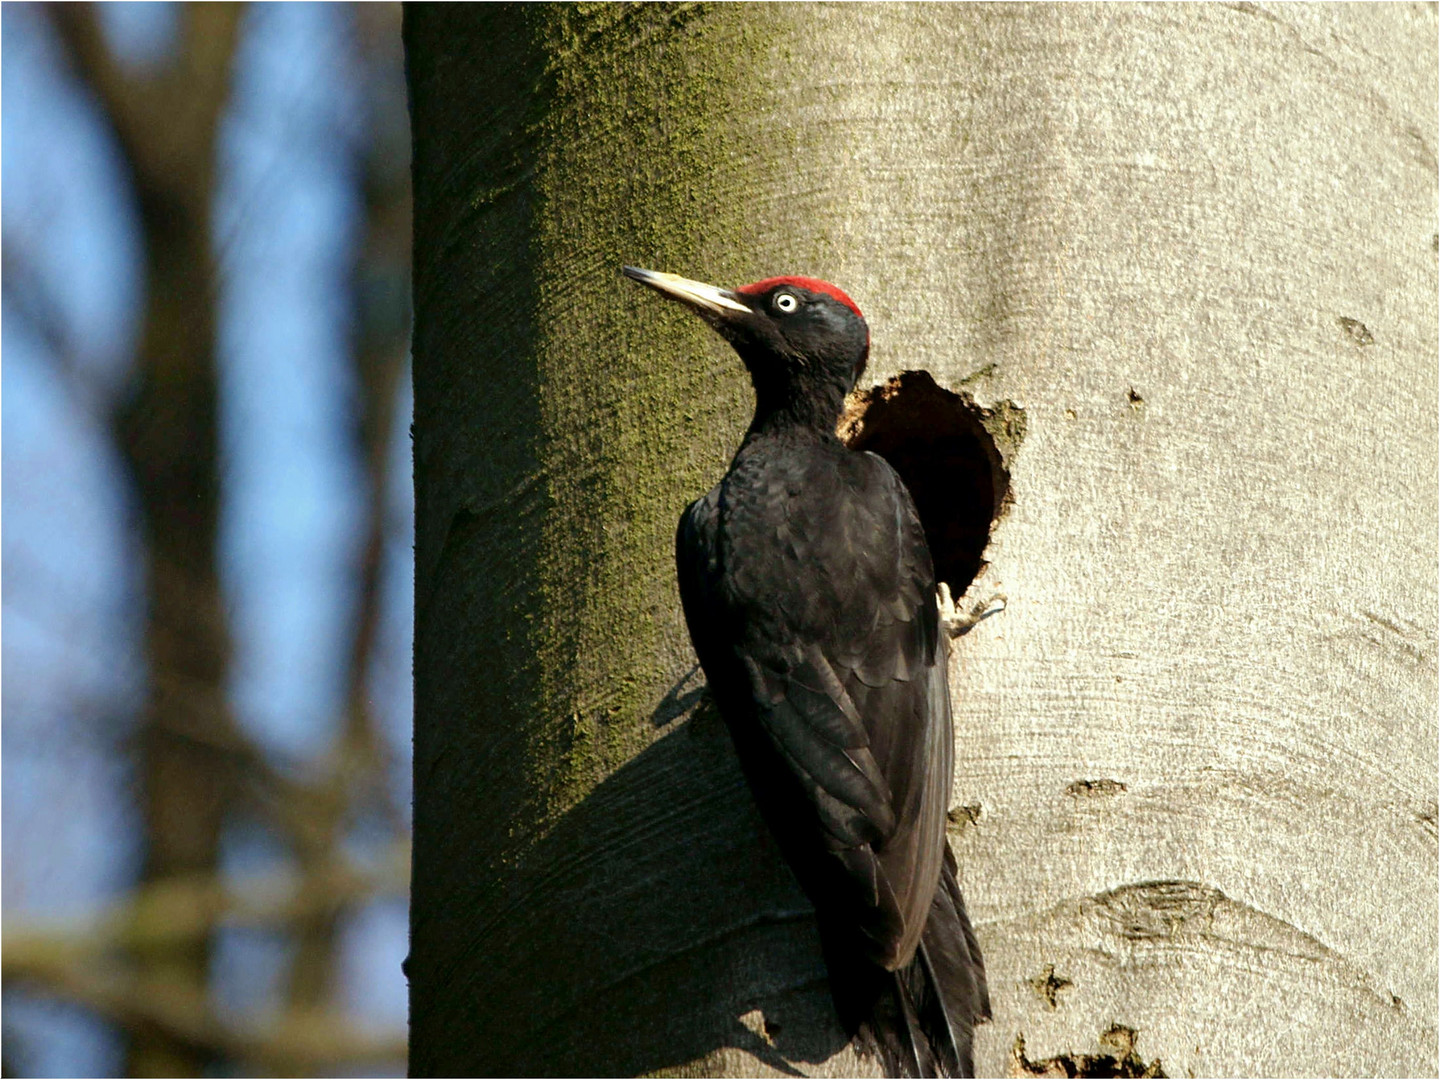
697 569
818 621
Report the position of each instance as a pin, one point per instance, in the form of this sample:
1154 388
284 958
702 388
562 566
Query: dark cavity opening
944 447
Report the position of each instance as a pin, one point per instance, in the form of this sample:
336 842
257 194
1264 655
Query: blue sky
287 215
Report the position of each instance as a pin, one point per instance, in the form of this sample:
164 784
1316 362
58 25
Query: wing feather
811 603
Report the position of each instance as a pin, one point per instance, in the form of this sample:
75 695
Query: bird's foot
957 622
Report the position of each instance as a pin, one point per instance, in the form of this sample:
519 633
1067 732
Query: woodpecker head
803 340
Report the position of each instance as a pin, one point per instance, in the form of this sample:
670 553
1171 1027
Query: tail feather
954 953
947 1034
892 1030
948 883
920 1019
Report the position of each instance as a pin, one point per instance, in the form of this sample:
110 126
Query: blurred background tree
206 549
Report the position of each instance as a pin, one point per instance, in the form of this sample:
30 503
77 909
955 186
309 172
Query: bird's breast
801 542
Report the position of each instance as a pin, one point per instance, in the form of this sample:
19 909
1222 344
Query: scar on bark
1357 331
1048 985
1116 1057
961 816
1091 788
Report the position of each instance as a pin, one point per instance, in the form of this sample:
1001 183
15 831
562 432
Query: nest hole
941 444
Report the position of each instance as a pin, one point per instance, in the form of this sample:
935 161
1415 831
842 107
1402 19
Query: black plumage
810 597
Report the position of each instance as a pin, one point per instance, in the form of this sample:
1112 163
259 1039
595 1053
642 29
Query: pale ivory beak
695 294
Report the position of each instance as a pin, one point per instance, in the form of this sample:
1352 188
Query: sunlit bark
1197 245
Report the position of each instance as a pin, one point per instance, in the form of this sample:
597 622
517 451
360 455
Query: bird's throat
797 405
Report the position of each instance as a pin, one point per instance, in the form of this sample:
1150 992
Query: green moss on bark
564 418
639 164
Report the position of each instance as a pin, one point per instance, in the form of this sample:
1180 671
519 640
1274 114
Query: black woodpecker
811 600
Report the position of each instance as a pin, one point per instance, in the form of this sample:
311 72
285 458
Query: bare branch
183 1015
184 909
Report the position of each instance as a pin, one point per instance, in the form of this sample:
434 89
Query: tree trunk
1196 752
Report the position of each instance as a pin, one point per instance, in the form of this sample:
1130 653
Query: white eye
785 302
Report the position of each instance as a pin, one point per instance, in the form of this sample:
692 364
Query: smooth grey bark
1198 246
